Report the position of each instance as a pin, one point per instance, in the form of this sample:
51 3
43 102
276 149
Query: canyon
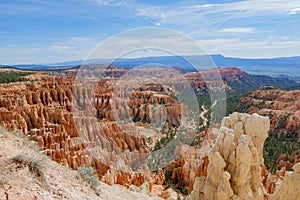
75 130
42 111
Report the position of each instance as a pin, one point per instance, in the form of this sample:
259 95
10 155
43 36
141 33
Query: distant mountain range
285 67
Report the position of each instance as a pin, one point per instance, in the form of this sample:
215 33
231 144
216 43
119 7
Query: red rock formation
276 103
188 166
43 109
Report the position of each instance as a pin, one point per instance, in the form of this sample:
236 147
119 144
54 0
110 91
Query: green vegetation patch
175 183
33 165
8 77
279 143
89 174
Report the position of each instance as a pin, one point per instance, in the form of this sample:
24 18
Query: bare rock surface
53 181
276 103
289 189
44 111
234 169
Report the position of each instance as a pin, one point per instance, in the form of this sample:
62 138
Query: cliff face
243 82
43 109
282 107
236 79
234 170
276 104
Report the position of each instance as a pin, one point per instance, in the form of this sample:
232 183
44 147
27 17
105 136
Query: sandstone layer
43 111
276 104
234 169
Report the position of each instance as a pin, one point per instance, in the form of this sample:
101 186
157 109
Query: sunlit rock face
234 169
276 103
43 111
289 189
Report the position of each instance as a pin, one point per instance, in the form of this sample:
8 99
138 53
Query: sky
49 31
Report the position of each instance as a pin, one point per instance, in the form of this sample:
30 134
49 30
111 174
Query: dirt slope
27 174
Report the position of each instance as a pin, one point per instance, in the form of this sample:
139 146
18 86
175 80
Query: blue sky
47 31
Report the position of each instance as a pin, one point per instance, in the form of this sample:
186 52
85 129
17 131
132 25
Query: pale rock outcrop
289 188
234 169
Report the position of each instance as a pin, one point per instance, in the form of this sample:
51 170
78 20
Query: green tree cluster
8 77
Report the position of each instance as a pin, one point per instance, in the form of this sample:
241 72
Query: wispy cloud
70 29
294 11
60 48
218 13
63 49
258 48
202 6
108 2
238 30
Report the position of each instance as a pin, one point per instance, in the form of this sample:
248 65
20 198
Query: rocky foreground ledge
234 170
25 173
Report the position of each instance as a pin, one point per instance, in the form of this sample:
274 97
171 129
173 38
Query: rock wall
275 103
234 169
42 110
188 166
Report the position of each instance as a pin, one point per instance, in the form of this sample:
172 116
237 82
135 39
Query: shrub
88 174
185 191
33 165
35 168
18 159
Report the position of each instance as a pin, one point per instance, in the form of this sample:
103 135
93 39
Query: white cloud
140 41
217 13
258 48
62 48
65 49
294 11
202 6
203 20
108 2
79 48
154 12
238 30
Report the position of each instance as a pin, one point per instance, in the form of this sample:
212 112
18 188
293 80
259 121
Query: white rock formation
290 187
234 170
